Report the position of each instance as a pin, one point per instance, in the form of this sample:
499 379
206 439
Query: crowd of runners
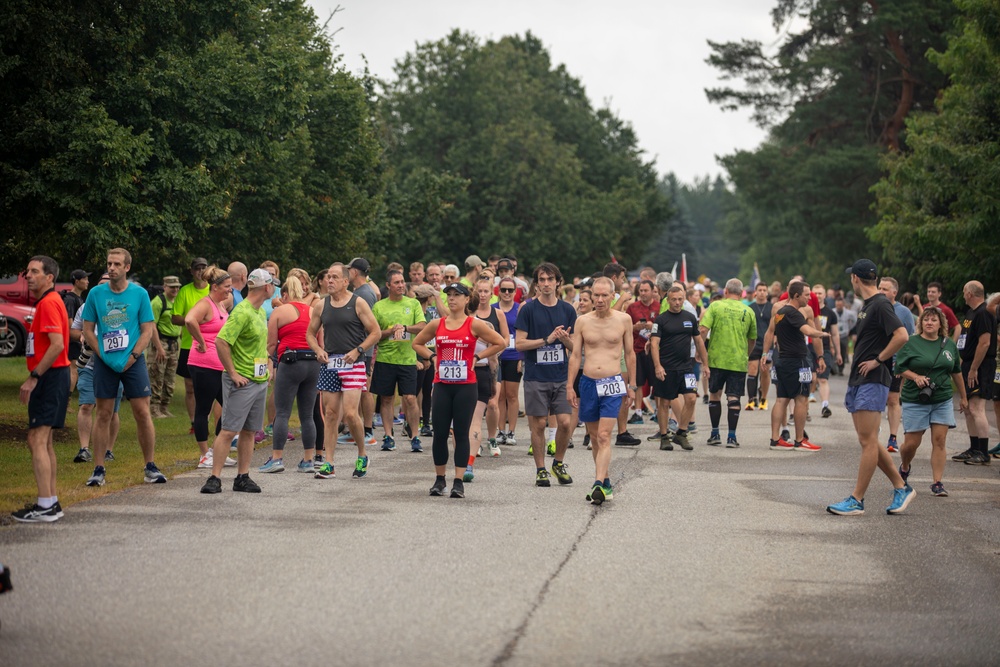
447 354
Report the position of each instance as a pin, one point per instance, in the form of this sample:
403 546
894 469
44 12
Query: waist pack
291 356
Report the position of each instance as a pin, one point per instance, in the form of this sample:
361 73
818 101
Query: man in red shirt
46 391
643 313
934 300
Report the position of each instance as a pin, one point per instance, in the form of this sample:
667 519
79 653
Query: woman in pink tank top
204 321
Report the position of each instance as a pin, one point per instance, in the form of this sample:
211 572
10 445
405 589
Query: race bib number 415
550 354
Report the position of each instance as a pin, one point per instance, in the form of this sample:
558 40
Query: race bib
611 386
29 346
453 371
550 355
336 362
404 335
996 378
823 319
645 333
961 342
690 381
260 367
805 375
774 374
510 345
115 341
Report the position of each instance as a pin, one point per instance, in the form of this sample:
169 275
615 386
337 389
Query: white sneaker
230 462
511 440
479 454
206 460
494 449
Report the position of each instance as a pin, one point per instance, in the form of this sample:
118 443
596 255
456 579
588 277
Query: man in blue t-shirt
117 326
893 409
543 330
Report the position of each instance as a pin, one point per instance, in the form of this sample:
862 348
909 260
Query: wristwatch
34 374
135 355
632 387
361 350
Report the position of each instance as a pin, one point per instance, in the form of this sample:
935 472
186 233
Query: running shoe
782 445
967 454
900 499
995 452
440 486
704 399
153 475
656 437
305 466
762 405
751 405
511 440
551 448
626 439
542 478
97 479
269 430
426 432
683 442
714 440
83 456
978 458
785 435
457 489
812 398
671 424
109 456
234 444
318 461
361 467
891 446
479 452
905 474
731 443
377 421
468 475
415 446
398 419
325 471
692 427
229 462
635 419
666 442
937 488
205 461
805 446
346 438
212 485
244 484
586 441
494 448
826 412
599 493
531 449
272 465
388 444
501 438
561 474
259 437
849 506
35 513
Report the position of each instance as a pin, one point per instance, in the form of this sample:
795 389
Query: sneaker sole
543 483
272 471
597 496
89 483
156 480
38 518
839 513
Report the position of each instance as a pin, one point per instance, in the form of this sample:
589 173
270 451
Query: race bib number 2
115 341
453 371
550 354
611 386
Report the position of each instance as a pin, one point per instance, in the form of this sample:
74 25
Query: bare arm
193 321
364 312
45 363
314 325
487 333
575 359
226 357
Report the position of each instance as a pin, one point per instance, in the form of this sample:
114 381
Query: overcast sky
645 59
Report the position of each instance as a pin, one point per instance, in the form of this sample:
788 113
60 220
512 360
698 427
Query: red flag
684 269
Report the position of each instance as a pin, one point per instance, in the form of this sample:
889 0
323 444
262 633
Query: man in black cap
187 297
880 336
73 300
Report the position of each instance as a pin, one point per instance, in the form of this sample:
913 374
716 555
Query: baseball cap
457 287
78 274
864 269
171 281
105 276
198 261
473 260
361 264
424 291
505 264
260 278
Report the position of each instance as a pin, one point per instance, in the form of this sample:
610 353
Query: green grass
176 450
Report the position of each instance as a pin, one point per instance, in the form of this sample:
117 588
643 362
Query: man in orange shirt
46 391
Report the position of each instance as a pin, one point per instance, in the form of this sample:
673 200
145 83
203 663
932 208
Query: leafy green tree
492 149
938 204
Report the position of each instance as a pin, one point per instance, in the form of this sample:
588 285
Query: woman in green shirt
925 363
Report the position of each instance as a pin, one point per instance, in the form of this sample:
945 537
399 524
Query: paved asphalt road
710 557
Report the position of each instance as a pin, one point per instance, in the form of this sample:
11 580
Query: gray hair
734 286
664 279
451 268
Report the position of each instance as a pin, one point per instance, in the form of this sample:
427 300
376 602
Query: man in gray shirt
847 319
362 287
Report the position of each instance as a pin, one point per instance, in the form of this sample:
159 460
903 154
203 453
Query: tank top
455 350
209 330
510 354
494 321
292 336
342 328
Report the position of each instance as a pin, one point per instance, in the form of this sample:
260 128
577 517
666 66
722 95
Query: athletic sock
46 503
984 445
973 442
681 431
540 469
556 462
715 414
734 417
607 481
732 434
826 404
472 460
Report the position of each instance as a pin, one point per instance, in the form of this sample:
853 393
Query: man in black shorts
675 383
792 369
977 347
757 381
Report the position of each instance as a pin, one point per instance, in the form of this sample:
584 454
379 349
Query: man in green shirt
186 297
164 349
733 328
242 348
400 318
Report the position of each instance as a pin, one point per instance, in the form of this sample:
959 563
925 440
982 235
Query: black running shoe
212 485
666 443
626 439
978 458
5 584
439 487
457 489
964 456
426 432
245 484
826 412
35 513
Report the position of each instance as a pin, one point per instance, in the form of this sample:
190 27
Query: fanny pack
291 356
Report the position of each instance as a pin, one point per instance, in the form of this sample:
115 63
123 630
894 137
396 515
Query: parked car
14 289
16 320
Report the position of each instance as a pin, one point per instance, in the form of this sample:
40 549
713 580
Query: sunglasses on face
507 290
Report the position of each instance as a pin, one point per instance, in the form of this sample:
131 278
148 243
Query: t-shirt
638 312
187 296
877 322
977 321
847 319
827 321
762 313
388 312
905 316
246 333
549 363
676 332
118 319
50 317
918 355
162 311
788 323
237 296
949 314
368 294
732 324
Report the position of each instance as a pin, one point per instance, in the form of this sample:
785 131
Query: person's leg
100 436
824 391
475 432
116 425
908 450
169 375
42 462
600 440
564 428
367 409
537 426
351 406
286 385
975 418
894 412
493 413
84 423
463 410
753 368
777 415
189 397
442 414
305 399
331 413
765 386
145 432
386 412
939 455
513 403
663 408
412 413
716 383
157 370
873 456
207 384
799 408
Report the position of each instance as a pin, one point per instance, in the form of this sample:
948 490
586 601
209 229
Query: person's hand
661 374
821 366
571 396
963 405
322 357
201 347
349 359
238 380
840 359
916 299
867 367
561 333
973 380
161 355
26 389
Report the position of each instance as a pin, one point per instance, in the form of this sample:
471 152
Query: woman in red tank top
296 373
455 391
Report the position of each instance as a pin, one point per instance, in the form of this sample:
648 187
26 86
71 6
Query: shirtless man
601 336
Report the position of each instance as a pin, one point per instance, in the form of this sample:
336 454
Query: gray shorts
243 408
542 399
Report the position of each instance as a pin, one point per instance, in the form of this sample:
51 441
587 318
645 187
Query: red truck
14 289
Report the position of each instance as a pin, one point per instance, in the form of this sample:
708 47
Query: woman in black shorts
511 364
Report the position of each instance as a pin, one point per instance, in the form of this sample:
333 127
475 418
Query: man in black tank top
349 329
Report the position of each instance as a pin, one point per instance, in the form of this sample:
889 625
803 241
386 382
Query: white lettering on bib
29 346
336 362
260 367
453 371
550 354
115 341
611 386
805 375
961 342
690 381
